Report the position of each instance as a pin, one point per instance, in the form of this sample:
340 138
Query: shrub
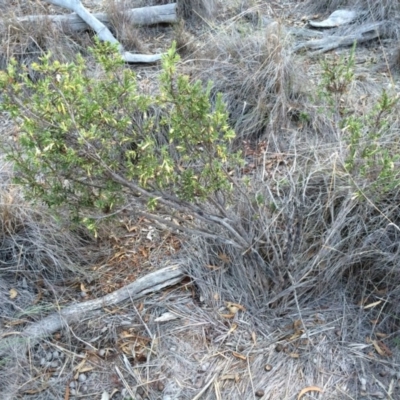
87 143
372 151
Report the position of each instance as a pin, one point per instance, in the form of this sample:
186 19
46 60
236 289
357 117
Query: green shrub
372 152
87 142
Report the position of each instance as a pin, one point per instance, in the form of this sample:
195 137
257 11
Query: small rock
383 372
42 362
268 367
54 364
72 392
82 378
101 352
24 283
83 294
160 386
49 356
72 384
84 389
124 393
260 393
56 355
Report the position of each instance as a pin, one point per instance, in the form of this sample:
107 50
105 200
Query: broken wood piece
363 33
143 16
337 18
150 283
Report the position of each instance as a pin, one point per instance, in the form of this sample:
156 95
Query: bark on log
144 16
150 283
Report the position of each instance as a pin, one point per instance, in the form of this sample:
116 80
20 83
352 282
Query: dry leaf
234 307
380 335
216 296
230 377
294 355
238 355
83 289
372 304
297 325
227 315
296 335
213 267
224 258
308 389
378 349
385 348
168 316
13 293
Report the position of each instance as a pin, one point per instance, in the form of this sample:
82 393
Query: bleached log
361 34
144 16
103 33
74 313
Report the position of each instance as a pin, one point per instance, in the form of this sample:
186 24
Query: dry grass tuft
124 30
197 8
27 41
256 73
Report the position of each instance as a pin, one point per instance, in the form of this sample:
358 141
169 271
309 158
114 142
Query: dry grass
323 310
125 32
27 41
256 73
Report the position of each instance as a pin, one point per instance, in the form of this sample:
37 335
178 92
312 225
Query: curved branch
102 31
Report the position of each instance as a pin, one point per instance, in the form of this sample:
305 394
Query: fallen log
43 328
361 34
144 16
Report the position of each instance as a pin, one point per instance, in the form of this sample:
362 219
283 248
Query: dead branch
144 16
363 33
102 31
150 283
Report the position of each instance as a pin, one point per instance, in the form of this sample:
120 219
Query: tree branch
102 31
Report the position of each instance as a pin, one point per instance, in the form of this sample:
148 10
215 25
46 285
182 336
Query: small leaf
13 293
